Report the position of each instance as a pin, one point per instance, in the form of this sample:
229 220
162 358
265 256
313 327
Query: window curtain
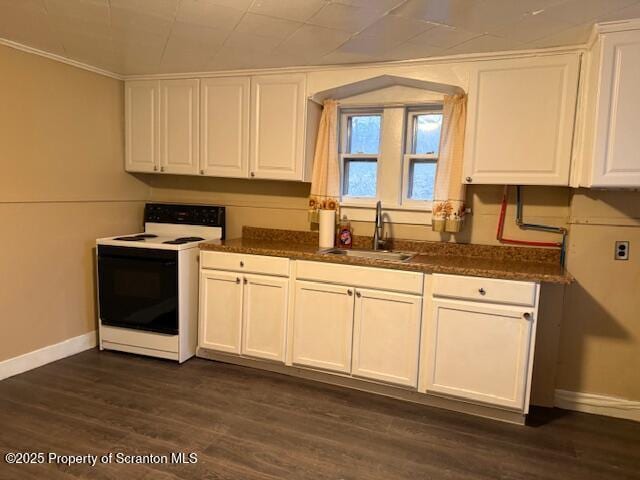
325 181
449 192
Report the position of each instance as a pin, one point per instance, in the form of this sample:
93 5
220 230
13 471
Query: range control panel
206 215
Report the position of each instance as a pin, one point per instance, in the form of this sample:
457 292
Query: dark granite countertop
511 263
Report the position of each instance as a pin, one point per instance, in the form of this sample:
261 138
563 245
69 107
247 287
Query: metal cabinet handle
201 172
526 315
155 168
238 280
358 294
253 174
162 169
469 179
245 280
482 291
349 292
242 264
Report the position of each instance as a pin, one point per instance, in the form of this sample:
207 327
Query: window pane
427 133
360 177
365 134
422 176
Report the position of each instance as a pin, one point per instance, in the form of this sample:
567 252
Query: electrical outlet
622 250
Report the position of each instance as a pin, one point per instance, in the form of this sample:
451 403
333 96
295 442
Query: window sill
367 213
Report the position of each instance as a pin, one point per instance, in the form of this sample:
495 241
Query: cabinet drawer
485 289
245 263
366 277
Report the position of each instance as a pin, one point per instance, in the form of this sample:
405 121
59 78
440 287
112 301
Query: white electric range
148 281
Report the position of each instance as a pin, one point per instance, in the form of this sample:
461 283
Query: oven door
138 288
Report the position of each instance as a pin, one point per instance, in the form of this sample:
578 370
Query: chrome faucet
378 242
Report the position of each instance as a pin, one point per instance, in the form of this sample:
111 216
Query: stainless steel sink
373 254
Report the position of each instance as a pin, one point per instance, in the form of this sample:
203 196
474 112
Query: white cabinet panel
142 126
520 121
264 316
225 126
479 352
220 311
617 143
386 336
179 126
323 326
278 126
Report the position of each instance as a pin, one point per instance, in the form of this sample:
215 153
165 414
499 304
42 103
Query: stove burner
136 238
182 240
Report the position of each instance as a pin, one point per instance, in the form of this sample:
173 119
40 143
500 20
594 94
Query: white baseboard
598 404
37 358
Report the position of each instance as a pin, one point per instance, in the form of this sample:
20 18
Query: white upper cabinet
520 120
142 126
179 126
611 144
278 117
225 127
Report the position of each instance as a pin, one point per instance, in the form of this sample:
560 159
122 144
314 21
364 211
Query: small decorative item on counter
345 235
454 223
439 217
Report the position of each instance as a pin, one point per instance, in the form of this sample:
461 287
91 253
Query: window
389 154
361 147
421 153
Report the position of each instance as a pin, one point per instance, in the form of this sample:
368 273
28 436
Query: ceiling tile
158 8
409 50
267 26
310 42
485 43
250 43
444 36
532 27
208 14
338 57
27 23
344 17
392 29
377 5
300 10
581 11
125 19
623 14
474 15
95 12
363 44
575 35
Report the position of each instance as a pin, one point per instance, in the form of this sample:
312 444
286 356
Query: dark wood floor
249 424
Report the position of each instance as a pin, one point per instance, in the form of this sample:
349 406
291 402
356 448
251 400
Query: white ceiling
169 36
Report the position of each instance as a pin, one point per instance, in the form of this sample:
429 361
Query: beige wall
62 185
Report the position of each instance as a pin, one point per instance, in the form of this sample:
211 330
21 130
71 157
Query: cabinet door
323 326
520 121
479 352
224 143
616 157
220 311
142 126
264 316
278 126
179 126
386 336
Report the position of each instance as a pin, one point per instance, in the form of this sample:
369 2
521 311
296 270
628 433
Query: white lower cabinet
220 311
243 313
386 334
264 316
323 326
479 352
